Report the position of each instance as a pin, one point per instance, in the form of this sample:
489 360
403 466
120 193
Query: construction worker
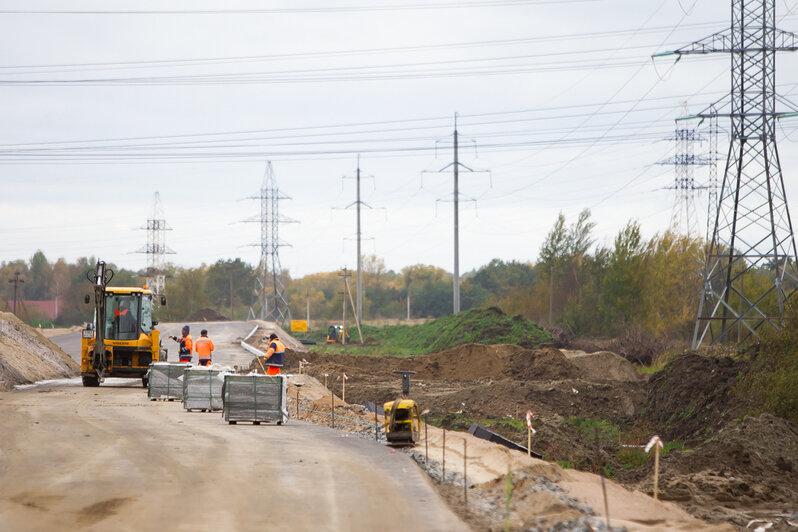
204 348
275 355
124 320
185 343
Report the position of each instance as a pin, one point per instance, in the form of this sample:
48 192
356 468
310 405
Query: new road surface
107 458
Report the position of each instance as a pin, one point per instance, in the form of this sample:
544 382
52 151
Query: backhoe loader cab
121 342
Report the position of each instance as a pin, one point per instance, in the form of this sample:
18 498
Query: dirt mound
502 361
693 397
749 463
604 365
26 356
207 314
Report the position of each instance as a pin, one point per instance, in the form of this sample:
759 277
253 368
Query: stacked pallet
202 388
255 398
165 380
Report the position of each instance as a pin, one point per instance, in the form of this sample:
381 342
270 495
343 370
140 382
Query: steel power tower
684 218
269 302
753 236
156 248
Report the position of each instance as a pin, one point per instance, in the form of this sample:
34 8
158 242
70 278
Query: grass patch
608 432
486 326
631 457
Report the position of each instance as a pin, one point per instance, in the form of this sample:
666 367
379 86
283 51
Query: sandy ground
74 458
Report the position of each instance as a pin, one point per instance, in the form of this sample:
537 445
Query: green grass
486 326
608 432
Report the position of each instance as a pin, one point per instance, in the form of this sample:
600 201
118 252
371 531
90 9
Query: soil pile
692 398
604 365
207 314
26 356
748 464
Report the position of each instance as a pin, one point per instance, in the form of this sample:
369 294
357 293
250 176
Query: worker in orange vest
185 345
275 355
204 348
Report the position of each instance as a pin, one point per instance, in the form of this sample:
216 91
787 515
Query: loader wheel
91 382
145 381
232 422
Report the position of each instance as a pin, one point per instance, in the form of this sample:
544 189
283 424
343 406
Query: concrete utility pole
455 165
753 231
17 281
345 275
358 203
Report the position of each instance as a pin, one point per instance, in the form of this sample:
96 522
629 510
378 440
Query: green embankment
486 326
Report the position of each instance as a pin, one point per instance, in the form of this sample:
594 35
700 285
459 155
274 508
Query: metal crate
255 398
165 380
202 389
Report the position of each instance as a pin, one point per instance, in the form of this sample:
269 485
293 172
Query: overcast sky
560 100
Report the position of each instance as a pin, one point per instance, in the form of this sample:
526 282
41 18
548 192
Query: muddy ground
720 466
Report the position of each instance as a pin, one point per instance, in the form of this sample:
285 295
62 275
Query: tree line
647 286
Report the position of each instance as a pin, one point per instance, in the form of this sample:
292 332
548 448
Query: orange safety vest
185 345
203 347
123 313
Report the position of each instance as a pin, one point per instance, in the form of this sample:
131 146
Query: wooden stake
528 442
297 402
325 380
603 486
443 478
656 471
509 491
332 407
343 390
465 474
426 444
376 425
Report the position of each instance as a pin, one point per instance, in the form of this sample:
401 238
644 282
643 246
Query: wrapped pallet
255 398
165 380
202 389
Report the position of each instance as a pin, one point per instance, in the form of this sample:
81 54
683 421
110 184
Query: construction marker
325 379
465 475
509 493
343 390
443 478
656 443
529 432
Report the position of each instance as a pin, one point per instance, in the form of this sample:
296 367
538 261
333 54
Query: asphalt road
74 458
226 336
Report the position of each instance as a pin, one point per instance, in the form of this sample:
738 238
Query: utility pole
753 231
358 203
345 275
269 301
455 165
307 307
17 281
232 318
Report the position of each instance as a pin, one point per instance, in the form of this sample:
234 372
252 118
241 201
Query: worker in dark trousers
185 345
275 355
204 348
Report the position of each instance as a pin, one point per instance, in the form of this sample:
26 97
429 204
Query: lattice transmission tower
684 217
752 239
269 301
156 248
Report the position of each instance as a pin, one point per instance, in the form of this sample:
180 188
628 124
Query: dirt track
106 458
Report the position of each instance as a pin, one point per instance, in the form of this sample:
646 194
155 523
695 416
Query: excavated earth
27 356
730 469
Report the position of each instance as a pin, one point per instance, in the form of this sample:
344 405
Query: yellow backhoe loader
121 342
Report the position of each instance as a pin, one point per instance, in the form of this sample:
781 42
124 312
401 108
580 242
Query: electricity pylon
269 301
684 217
752 237
156 248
